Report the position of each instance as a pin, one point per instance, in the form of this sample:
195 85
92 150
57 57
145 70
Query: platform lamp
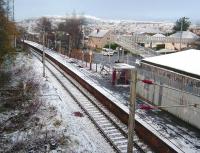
69 44
90 53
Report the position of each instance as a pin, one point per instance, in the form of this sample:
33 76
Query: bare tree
7 30
73 28
44 26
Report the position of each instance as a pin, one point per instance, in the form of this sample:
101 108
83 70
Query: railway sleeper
115 138
99 116
110 129
88 107
114 134
93 111
105 125
103 121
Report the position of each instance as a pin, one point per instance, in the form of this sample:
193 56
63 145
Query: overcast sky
111 9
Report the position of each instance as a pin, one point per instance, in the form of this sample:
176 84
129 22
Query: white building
177 76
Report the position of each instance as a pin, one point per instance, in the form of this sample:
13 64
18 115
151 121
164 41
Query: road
104 60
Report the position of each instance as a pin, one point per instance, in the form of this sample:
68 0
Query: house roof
185 34
123 66
148 30
159 35
162 51
98 33
184 62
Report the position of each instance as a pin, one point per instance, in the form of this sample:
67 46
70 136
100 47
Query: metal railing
129 43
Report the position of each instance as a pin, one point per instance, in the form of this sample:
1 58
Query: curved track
114 131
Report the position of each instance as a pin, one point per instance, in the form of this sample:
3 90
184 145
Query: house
196 30
156 45
181 36
99 38
176 78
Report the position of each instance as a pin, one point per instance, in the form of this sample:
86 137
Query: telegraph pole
131 120
13 15
181 32
43 54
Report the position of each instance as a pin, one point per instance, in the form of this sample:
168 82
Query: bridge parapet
130 44
152 39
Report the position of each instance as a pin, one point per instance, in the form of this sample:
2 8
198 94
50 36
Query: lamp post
43 54
55 40
90 53
109 51
69 44
123 54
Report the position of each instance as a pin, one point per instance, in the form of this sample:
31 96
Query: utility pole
7 9
60 47
109 51
55 40
69 45
13 18
43 54
13 15
181 34
131 121
118 53
123 54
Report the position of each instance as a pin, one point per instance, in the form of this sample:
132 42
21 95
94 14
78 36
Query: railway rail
149 136
178 131
110 127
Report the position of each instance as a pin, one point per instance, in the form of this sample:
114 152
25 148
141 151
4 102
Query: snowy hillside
124 26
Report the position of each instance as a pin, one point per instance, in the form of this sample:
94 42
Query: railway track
179 132
113 130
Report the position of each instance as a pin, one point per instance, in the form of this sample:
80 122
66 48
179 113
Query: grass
3 109
57 123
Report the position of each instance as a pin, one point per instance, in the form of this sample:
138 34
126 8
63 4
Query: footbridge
129 42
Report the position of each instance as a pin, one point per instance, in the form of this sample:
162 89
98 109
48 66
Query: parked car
108 53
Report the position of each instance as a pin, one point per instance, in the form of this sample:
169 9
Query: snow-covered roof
165 51
185 34
159 35
98 33
148 30
186 62
123 66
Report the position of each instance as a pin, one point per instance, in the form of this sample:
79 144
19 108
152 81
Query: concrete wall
164 96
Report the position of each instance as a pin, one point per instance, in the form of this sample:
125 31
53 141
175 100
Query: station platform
165 125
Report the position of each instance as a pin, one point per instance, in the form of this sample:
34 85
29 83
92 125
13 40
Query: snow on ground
79 128
55 120
162 124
